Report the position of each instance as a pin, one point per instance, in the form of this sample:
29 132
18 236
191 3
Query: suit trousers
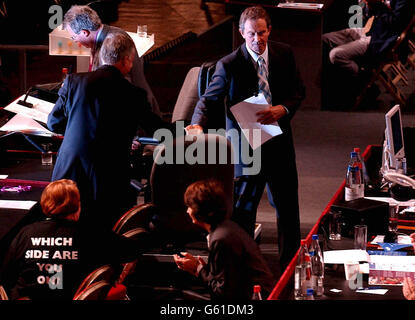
279 172
347 46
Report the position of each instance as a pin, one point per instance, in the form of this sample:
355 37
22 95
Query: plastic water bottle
354 180
257 293
362 166
303 273
317 266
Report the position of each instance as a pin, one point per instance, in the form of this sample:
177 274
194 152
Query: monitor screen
394 135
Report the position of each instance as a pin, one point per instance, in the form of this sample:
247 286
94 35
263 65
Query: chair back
96 291
132 219
188 97
3 294
187 160
104 273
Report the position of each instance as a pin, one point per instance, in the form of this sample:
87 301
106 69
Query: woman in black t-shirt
48 259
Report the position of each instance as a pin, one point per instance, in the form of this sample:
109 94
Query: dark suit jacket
387 26
99 112
235 79
136 75
235 265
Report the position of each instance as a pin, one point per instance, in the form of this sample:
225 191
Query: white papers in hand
245 114
39 112
21 123
16 204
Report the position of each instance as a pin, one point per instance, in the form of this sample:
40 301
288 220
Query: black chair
96 291
3 294
104 273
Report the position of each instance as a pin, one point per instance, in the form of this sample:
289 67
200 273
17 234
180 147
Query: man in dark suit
99 112
268 68
235 263
85 27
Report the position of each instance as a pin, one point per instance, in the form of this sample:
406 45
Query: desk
334 274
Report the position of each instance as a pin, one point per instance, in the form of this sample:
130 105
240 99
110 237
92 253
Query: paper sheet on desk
245 113
300 5
343 256
39 112
409 203
21 123
16 204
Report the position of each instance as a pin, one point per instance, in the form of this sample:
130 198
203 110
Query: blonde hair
61 198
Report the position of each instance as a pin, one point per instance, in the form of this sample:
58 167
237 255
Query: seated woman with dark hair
235 263
48 259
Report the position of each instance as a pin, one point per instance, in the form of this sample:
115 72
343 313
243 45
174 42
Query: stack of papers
391 270
21 123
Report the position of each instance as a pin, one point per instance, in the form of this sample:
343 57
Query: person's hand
193 129
187 263
271 114
408 289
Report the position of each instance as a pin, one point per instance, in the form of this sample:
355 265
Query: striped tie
263 82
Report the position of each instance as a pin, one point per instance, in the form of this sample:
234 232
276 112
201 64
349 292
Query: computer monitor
394 136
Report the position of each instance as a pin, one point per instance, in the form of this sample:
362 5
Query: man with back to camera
85 27
269 68
99 112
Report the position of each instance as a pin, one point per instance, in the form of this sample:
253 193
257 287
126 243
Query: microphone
24 102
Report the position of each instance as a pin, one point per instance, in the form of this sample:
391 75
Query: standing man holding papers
261 67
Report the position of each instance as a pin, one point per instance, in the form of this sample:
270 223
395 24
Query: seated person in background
235 263
86 28
379 34
48 259
99 113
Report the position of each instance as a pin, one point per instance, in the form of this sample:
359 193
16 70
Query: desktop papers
391 270
21 123
343 256
245 113
39 112
16 204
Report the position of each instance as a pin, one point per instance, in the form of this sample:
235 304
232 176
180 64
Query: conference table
336 287
23 179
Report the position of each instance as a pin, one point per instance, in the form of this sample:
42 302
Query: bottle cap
257 288
310 292
64 70
353 154
356 150
303 242
314 237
